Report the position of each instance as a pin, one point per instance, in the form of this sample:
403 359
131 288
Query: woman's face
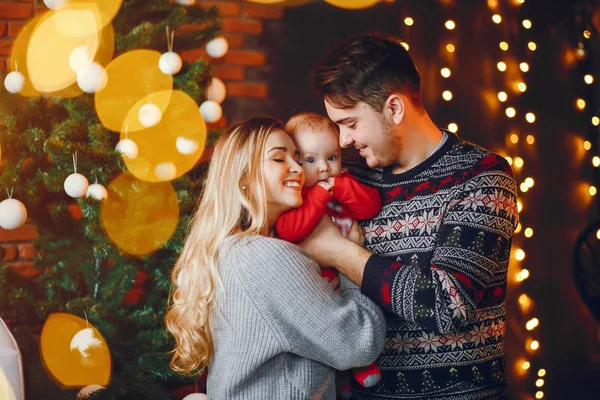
284 177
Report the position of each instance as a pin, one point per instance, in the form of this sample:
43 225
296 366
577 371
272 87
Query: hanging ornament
13 213
127 147
185 2
14 81
196 396
217 47
186 146
96 191
54 4
166 171
149 115
170 62
76 185
85 392
92 78
216 91
79 59
211 111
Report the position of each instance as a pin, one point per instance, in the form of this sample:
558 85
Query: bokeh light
352 4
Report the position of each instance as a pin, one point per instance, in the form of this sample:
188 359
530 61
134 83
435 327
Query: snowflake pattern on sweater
441 247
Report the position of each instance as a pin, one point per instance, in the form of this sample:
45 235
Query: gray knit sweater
282 329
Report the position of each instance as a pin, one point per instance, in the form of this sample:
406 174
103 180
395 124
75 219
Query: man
437 254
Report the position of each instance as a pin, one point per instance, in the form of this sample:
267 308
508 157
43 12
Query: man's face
368 131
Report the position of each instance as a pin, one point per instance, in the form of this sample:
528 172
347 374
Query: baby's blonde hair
309 120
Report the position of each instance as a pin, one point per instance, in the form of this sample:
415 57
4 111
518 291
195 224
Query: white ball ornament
13 214
54 4
92 78
128 148
186 146
196 396
216 91
211 111
86 391
14 82
170 63
165 171
149 115
217 47
79 59
185 2
97 191
76 185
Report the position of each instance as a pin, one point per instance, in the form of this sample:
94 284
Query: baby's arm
364 202
295 225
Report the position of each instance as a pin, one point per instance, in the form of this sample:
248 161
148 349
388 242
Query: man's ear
394 108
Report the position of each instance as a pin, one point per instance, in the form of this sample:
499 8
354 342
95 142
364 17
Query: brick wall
243 69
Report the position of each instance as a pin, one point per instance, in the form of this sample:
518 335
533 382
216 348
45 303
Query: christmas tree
95 242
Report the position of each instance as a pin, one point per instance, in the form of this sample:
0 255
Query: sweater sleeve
472 254
343 330
296 224
362 201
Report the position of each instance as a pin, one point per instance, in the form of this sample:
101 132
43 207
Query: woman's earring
243 187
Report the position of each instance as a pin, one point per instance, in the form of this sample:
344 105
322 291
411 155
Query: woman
250 307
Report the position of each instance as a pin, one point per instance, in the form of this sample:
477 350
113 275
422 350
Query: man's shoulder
466 155
357 166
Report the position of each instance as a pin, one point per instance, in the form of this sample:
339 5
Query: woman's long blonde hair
233 202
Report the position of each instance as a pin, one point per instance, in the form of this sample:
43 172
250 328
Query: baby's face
320 154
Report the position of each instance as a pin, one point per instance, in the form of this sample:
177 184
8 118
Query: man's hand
356 234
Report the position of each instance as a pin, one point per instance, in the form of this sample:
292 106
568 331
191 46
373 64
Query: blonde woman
254 309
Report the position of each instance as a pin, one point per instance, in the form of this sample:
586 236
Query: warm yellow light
519 208
589 79
526 24
450 25
587 34
524 187
595 120
522 86
530 117
529 182
409 21
534 345
501 66
532 324
511 112
445 72
514 138
520 1
519 162
496 18
598 234
526 365
450 48
592 190
509 160
524 66
528 232
524 300
522 275
539 383
447 95
539 394
596 161
580 104
530 139
519 226
587 145
405 45
532 46
502 96
503 46
542 372
520 254
452 127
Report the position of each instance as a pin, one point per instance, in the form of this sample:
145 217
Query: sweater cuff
373 276
320 194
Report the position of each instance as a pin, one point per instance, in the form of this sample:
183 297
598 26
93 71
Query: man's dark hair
367 68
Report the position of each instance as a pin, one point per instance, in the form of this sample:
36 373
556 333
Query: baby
328 190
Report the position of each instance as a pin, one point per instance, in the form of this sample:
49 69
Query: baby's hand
328 184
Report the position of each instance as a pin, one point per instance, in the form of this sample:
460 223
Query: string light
522 275
522 86
532 324
526 24
503 46
532 46
596 161
595 120
496 18
580 104
592 190
447 95
524 67
520 254
511 112
525 301
502 96
445 72
530 139
450 48
539 394
523 187
542 372
528 232
587 34
530 117
534 345
405 45
501 66
509 160
539 383
450 25
518 228
519 162
589 79
514 138
587 145
598 234
525 365
409 21
452 127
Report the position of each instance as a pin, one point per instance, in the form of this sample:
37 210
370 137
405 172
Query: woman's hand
356 234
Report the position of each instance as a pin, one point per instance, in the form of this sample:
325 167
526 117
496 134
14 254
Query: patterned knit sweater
441 247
